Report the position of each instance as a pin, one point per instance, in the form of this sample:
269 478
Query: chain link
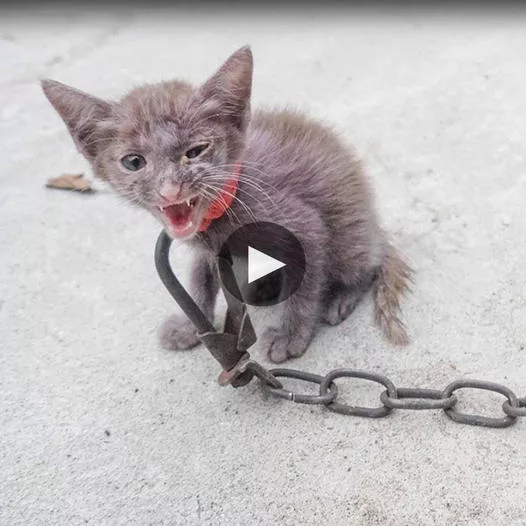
478 420
346 409
408 398
416 399
321 399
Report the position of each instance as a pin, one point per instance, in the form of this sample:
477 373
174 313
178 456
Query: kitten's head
169 147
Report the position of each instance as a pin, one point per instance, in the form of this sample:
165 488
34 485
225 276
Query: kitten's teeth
191 224
188 202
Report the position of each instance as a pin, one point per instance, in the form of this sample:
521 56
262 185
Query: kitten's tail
392 282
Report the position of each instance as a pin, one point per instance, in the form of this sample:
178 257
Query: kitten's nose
171 192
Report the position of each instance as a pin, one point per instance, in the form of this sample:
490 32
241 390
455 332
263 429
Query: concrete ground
99 425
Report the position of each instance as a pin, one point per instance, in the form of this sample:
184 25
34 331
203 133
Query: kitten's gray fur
295 172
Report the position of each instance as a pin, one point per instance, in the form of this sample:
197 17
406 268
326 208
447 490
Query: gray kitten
174 149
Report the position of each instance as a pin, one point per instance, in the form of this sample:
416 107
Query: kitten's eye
196 151
133 162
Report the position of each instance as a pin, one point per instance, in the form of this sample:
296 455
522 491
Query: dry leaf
70 182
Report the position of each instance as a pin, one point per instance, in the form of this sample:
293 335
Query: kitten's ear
231 86
81 112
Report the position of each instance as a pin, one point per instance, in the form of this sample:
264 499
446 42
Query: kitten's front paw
177 333
281 345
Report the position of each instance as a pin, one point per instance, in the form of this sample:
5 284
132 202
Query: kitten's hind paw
341 307
177 333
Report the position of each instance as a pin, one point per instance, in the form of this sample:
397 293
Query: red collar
223 201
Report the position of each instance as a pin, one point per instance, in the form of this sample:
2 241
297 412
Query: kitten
174 149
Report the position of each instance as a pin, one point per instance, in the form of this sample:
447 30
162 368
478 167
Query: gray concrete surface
98 425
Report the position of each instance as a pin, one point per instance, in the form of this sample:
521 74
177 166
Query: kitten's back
304 158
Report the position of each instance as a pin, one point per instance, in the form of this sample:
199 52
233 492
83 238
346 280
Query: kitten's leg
300 319
178 332
302 311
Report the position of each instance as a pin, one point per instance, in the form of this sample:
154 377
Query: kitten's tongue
180 217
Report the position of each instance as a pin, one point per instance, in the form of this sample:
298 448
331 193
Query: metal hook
229 347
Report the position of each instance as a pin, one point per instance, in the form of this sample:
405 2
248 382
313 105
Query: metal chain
392 397
229 348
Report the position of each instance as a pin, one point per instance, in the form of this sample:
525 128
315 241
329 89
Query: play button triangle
261 264
267 264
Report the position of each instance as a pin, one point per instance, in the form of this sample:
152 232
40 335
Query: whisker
245 180
227 209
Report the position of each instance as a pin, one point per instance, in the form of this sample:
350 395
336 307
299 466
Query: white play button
267 262
261 264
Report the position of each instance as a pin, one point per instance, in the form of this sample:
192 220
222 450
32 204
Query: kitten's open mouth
182 216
